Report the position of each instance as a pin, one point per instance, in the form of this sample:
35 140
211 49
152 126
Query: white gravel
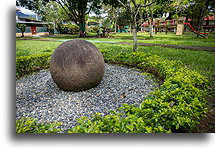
39 97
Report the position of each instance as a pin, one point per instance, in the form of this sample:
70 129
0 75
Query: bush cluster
28 64
177 106
93 29
69 28
30 125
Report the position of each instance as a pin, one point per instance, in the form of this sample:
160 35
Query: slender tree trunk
134 31
150 23
82 26
141 19
22 34
115 25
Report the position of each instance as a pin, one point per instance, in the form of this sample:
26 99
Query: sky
26 11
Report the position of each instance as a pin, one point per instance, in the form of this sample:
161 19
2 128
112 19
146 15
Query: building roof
22 15
210 18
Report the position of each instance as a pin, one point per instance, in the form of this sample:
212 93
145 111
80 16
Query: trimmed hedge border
28 64
177 106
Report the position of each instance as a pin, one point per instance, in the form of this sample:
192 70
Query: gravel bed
39 97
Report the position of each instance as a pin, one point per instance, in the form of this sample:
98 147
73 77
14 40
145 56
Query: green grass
200 61
188 38
28 47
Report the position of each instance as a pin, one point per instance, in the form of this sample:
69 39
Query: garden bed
39 97
177 106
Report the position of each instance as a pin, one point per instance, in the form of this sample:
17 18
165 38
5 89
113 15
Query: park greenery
186 77
177 106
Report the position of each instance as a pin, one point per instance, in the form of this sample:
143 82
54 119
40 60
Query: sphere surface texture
77 65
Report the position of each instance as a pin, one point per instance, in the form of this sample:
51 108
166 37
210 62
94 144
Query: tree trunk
82 27
115 26
134 30
150 23
141 20
22 34
135 40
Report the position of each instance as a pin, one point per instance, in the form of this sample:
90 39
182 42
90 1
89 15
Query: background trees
50 12
77 10
120 12
133 7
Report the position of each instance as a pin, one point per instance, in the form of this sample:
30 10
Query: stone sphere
77 65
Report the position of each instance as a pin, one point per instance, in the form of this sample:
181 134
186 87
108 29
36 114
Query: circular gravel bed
39 97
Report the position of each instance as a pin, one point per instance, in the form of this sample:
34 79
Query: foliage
69 28
27 64
29 4
30 125
77 10
178 105
93 29
22 28
51 12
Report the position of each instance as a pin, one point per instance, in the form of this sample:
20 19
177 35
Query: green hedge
177 106
28 64
30 125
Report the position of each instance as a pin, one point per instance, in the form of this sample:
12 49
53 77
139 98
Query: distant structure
35 26
167 25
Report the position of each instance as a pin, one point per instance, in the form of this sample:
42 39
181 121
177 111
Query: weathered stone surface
77 65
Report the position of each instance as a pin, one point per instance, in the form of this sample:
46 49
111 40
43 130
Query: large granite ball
77 65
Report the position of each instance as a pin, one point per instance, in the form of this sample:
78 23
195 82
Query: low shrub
69 28
93 29
27 64
177 106
30 125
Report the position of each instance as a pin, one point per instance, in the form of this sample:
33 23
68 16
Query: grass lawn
188 38
28 47
171 38
201 61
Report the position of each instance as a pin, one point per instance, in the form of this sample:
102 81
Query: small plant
30 125
22 28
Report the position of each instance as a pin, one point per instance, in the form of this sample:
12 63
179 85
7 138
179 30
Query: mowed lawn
188 38
200 61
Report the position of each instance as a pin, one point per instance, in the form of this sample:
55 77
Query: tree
77 10
50 12
198 9
29 4
133 7
22 28
113 14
